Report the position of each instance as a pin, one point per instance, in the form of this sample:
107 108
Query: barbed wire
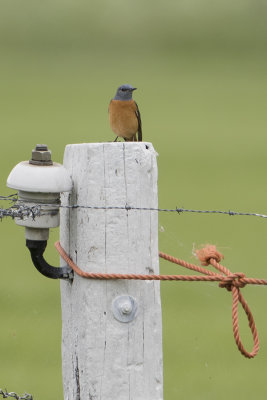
22 210
25 396
178 210
11 197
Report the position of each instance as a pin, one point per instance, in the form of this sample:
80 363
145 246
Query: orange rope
207 255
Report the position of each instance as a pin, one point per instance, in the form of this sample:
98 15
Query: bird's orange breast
122 117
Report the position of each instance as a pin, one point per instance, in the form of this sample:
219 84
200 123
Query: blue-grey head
124 92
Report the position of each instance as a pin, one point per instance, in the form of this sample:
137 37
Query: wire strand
5 394
22 209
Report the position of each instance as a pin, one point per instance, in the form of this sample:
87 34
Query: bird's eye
123 89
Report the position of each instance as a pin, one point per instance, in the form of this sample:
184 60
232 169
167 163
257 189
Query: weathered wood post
111 340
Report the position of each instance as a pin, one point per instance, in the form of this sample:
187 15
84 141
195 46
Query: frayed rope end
206 253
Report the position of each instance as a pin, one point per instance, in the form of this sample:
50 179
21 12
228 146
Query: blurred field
200 68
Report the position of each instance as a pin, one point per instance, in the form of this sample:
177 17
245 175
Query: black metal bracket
37 248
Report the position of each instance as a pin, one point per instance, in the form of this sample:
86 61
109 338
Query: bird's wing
138 115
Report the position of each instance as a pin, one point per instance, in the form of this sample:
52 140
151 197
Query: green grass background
200 68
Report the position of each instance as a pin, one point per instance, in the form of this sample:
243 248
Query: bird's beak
134 89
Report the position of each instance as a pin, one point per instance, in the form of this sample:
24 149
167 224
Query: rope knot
236 280
207 253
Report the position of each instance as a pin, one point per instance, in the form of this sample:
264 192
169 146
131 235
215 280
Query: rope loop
207 255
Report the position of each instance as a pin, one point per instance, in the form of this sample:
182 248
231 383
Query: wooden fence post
111 334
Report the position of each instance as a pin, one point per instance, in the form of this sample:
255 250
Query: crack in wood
77 378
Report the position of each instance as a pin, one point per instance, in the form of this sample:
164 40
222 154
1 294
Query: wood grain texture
104 359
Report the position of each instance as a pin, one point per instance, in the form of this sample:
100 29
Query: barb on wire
231 213
6 394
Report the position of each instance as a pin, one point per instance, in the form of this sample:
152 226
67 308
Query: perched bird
124 115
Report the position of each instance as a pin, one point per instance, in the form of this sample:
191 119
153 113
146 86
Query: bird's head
124 92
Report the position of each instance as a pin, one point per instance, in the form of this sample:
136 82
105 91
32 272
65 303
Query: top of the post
116 145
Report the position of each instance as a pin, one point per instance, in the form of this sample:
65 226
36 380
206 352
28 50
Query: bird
124 115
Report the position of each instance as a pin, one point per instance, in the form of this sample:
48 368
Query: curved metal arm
37 248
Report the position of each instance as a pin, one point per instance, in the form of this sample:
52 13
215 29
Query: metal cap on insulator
41 155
